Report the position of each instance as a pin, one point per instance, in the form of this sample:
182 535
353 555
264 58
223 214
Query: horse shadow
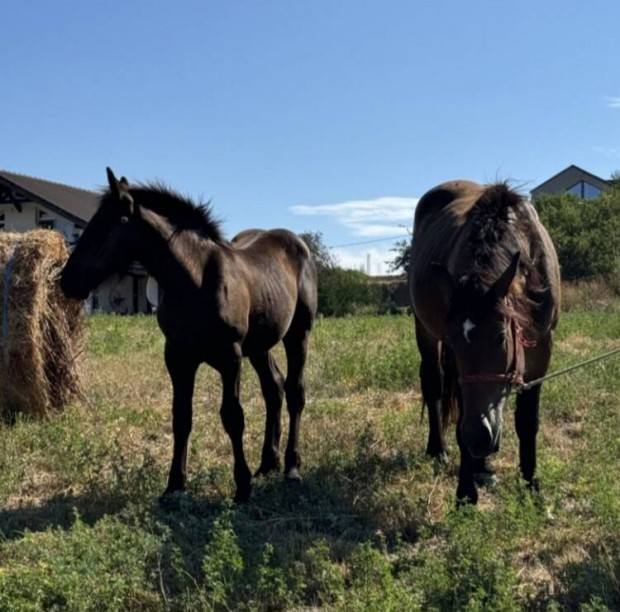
329 504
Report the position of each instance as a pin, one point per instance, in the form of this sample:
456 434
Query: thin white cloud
380 217
612 101
608 151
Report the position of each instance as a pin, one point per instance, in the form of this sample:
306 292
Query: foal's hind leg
272 386
296 345
233 420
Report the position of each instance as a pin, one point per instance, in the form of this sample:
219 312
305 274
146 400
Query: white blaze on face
468 325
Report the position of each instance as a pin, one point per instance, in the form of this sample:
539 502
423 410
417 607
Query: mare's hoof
486 479
484 472
293 475
441 456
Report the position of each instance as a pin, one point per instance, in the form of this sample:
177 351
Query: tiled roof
80 204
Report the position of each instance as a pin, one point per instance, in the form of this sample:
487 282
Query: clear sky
323 115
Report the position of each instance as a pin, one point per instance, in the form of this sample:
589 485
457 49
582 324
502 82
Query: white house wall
27 219
114 295
24 221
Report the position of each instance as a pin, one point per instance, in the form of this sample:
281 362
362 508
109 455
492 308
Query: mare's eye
124 219
501 337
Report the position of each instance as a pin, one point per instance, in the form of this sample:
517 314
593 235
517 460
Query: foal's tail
449 402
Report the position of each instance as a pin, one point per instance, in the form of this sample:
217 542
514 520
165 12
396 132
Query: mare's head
106 246
481 331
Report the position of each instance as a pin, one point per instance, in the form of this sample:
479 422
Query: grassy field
373 525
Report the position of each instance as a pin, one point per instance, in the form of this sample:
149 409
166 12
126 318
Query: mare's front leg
466 492
526 413
431 383
231 413
272 386
182 370
526 424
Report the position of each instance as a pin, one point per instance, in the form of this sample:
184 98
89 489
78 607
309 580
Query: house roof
568 168
79 205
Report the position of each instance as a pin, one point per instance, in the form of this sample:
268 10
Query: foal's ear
120 189
112 182
444 281
499 289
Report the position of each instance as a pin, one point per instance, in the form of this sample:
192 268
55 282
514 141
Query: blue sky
323 115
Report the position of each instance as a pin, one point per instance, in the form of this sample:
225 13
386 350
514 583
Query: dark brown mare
485 289
221 301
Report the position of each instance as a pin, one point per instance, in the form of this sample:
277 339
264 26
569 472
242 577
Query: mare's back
439 215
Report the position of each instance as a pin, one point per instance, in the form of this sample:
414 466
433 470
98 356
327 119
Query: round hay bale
40 329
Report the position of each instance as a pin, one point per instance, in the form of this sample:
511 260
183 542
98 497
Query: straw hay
40 329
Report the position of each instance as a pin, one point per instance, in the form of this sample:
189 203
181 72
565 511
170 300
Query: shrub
586 233
348 292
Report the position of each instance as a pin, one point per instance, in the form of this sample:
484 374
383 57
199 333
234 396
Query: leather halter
515 375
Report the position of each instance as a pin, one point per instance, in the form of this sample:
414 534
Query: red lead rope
513 377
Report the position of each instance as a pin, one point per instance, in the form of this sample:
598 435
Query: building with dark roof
575 180
27 203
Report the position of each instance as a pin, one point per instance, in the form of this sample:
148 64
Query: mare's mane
497 230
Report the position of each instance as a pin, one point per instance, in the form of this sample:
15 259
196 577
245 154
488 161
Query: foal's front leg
231 413
182 371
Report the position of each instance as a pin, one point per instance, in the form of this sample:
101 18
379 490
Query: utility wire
337 246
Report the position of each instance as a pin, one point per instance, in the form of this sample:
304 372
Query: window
45 220
585 190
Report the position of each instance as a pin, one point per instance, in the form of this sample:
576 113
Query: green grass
373 525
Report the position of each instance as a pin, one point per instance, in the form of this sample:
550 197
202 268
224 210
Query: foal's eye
124 219
501 337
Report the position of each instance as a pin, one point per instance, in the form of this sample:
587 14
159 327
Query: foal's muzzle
71 288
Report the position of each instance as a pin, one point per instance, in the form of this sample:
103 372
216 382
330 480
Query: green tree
586 233
400 262
341 292
323 257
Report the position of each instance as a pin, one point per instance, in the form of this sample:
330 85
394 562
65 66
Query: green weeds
371 527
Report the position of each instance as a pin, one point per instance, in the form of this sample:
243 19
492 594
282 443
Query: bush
586 233
348 292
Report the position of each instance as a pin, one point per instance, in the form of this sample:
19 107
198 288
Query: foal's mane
497 231
180 211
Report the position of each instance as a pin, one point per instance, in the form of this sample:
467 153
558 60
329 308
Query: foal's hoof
533 485
293 475
242 496
466 496
171 500
265 469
